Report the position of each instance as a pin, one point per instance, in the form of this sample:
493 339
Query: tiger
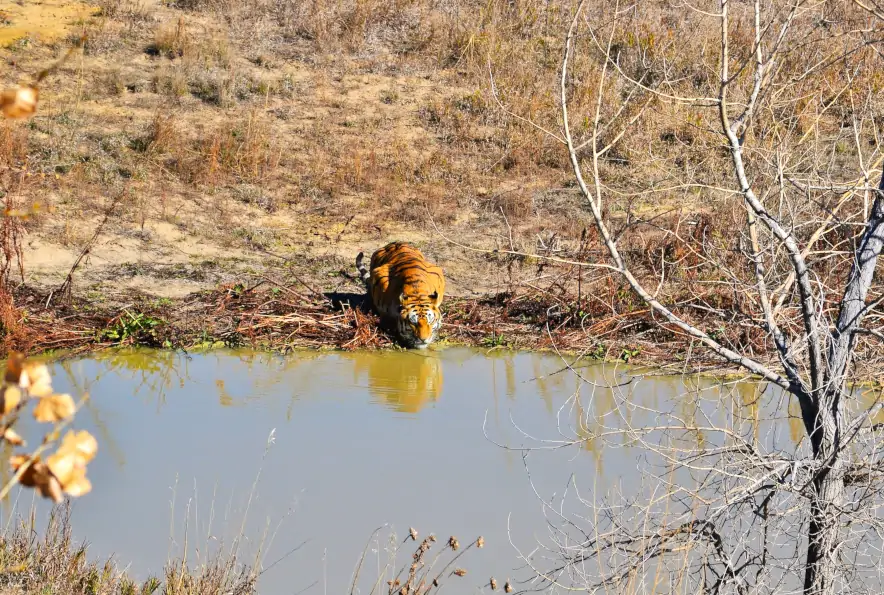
406 289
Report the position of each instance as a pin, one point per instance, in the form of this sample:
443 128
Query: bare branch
594 205
853 304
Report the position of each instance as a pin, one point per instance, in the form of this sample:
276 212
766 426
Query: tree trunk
822 566
826 425
827 498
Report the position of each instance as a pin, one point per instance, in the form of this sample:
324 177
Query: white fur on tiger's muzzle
410 338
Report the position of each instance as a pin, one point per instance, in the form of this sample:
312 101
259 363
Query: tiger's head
419 319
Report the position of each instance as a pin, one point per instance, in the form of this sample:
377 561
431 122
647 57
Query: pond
414 439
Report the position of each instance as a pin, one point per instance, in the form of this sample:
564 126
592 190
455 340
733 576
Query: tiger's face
419 320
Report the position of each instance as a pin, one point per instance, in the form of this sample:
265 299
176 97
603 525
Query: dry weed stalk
419 576
66 288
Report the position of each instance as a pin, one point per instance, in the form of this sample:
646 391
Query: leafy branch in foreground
64 471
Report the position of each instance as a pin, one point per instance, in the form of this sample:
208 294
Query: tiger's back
406 288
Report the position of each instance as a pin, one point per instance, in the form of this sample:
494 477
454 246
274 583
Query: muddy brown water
359 440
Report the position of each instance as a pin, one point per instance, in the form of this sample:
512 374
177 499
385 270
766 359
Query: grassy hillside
217 132
199 143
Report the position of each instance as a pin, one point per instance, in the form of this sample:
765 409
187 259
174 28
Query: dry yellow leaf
19 102
70 472
54 408
12 437
10 397
38 476
66 467
82 444
78 485
64 472
36 380
68 464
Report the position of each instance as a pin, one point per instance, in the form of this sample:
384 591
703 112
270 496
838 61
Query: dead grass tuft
247 152
54 563
162 136
172 41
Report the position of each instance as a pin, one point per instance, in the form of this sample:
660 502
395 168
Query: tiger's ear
402 299
435 297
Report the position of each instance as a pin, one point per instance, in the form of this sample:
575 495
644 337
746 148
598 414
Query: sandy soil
346 143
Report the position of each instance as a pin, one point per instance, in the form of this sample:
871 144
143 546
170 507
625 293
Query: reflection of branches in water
154 371
549 384
510 373
272 371
272 368
159 371
542 385
224 398
713 500
100 425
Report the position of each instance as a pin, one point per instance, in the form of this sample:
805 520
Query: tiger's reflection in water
403 381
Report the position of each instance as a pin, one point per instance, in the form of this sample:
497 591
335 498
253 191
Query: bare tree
787 95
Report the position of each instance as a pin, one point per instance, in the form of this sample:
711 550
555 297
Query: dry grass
198 57
54 563
50 561
238 152
233 56
230 54
425 572
14 180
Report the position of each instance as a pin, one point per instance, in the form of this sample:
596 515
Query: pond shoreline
284 319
